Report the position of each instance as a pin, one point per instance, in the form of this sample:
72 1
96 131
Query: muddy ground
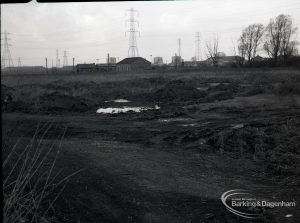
215 131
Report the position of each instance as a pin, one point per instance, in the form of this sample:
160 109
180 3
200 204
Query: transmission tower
133 50
65 62
197 46
179 47
6 60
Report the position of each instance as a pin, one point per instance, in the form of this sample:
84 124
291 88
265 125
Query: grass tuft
31 185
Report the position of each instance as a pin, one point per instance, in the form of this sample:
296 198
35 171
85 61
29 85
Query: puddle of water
125 109
214 84
238 126
188 125
173 119
119 101
202 88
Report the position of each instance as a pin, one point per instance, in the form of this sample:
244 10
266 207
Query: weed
30 184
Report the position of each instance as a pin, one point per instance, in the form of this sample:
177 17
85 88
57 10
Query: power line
133 50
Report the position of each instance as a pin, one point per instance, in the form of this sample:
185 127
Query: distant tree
279 33
291 49
239 54
242 49
212 50
250 40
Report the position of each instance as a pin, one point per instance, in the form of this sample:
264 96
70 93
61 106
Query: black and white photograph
150 111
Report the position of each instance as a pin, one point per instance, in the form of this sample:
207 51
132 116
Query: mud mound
178 90
274 146
58 102
234 87
222 92
6 90
71 88
55 97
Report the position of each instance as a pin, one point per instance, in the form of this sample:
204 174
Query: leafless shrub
213 50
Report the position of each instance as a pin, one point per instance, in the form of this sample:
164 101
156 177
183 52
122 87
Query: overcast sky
88 31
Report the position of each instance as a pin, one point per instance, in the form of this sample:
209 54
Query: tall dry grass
31 185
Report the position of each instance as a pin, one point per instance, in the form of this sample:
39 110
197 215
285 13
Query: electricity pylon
65 62
6 60
133 50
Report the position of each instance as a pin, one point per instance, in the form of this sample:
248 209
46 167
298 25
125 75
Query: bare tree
250 41
278 38
242 48
212 51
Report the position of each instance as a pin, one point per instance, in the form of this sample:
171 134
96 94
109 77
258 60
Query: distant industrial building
258 58
102 67
67 68
133 64
24 69
82 68
158 61
225 60
221 54
112 60
176 61
191 63
193 59
229 60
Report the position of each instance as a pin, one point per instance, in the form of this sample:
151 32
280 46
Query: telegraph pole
197 46
73 65
179 46
176 60
108 62
46 65
133 50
